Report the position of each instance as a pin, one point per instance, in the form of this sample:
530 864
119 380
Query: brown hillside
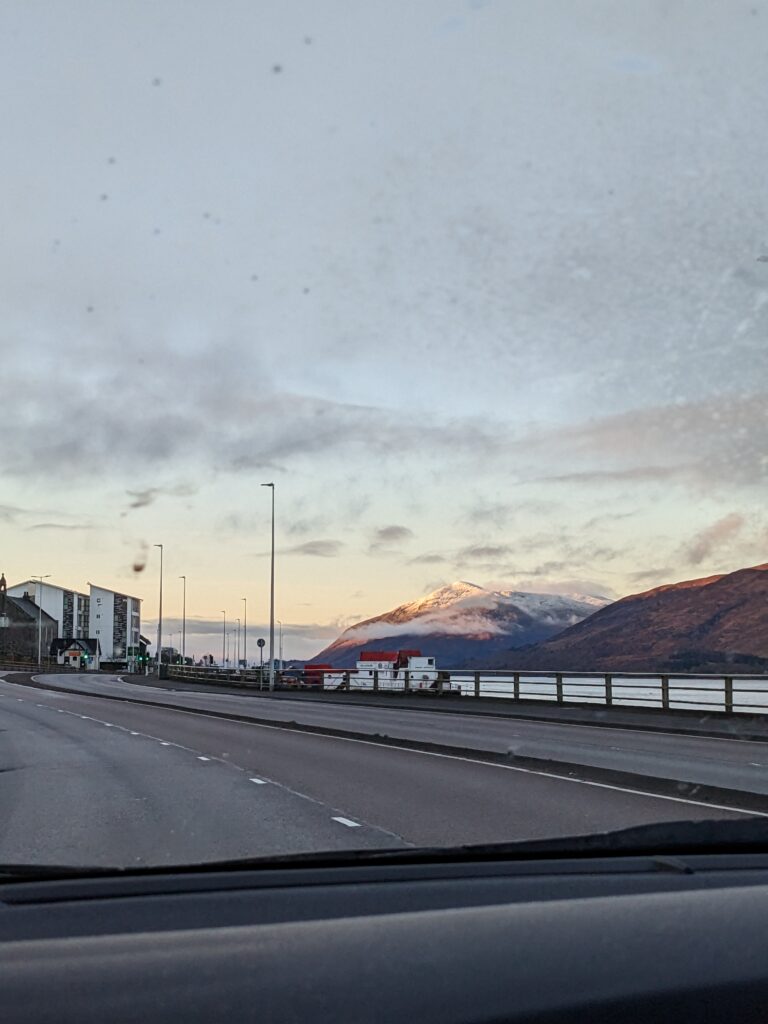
706 624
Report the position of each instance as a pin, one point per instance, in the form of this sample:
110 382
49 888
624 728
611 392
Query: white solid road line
259 782
347 822
201 758
470 760
485 764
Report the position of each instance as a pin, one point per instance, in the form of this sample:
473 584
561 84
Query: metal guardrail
668 691
32 666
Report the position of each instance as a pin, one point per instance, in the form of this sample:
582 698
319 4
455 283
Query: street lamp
40 619
272 597
224 640
160 614
245 632
237 644
184 623
280 645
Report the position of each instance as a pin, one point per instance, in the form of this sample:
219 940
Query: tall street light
280 645
272 597
245 632
237 644
40 619
184 622
160 614
224 640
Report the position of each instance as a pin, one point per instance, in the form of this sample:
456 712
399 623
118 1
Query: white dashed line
164 743
135 734
259 782
347 822
201 758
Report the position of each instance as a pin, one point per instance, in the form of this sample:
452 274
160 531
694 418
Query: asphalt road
725 763
84 780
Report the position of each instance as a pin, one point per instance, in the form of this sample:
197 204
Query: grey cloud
427 559
144 498
244 433
608 517
392 534
646 575
60 526
481 552
316 549
610 476
495 515
297 527
8 513
701 444
710 539
385 538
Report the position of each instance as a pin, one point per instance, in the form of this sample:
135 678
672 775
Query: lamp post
245 632
184 622
272 597
237 645
40 619
224 640
280 645
160 614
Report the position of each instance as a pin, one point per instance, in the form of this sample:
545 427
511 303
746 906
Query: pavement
87 779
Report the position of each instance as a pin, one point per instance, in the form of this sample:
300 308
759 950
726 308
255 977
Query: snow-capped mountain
462 621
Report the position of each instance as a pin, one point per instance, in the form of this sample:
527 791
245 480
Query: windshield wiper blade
666 838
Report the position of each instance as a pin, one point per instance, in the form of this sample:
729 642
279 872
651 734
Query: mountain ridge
459 621
710 624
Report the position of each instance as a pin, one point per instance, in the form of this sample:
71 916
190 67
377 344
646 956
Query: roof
52 586
89 644
378 656
29 608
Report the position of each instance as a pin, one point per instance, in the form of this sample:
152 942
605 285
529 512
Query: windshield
383 424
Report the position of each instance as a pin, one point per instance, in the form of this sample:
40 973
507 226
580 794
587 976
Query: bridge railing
48 665
721 693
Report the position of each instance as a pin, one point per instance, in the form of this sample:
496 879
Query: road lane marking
347 822
259 782
201 758
456 757
485 764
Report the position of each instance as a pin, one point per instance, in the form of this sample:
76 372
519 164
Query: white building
391 669
115 621
111 619
69 608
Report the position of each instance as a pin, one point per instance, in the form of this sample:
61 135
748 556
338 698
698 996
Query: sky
475 283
